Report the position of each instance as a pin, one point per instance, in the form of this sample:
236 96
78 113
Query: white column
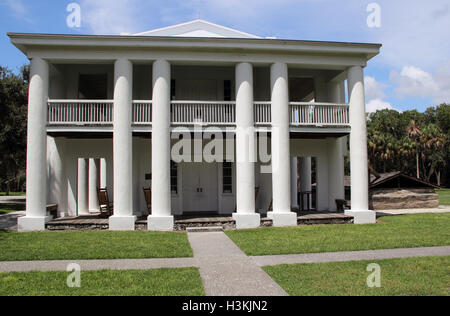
305 179
57 179
103 172
161 218
36 148
281 181
245 149
336 185
123 218
83 187
94 184
358 149
294 183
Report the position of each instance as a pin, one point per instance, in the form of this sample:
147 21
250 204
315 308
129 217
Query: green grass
444 196
157 282
6 208
403 231
69 245
411 277
13 194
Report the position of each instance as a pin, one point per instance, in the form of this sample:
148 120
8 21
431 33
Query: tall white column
123 218
281 181
358 149
336 185
94 184
245 149
305 180
294 183
83 187
161 218
36 148
57 178
336 168
103 172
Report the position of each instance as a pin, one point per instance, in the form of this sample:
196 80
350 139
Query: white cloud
415 82
16 6
374 89
378 104
110 17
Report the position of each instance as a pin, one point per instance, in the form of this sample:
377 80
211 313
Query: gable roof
197 28
395 179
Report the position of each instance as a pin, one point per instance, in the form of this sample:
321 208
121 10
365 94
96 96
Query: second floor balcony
189 113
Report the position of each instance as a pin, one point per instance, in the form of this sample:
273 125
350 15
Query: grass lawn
444 196
171 282
11 207
69 245
412 276
13 194
403 231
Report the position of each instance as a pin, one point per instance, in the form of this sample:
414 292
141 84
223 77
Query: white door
200 187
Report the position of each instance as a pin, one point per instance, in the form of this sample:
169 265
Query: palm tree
414 132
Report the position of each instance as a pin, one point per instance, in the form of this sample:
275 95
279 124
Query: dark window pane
93 87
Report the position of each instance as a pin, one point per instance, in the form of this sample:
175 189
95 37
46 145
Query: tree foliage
13 127
412 142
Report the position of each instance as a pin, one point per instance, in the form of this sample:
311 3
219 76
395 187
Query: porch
182 222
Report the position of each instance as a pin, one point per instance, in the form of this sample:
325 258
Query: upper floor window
227 90
173 89
93 87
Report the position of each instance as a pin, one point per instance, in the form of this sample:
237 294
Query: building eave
26 41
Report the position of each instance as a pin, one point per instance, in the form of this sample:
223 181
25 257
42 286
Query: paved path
86 265
9 221
440 209
226 270
352 256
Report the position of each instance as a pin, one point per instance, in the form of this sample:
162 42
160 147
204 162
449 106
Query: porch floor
95 222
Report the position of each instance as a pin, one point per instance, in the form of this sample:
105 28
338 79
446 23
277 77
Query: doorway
200 187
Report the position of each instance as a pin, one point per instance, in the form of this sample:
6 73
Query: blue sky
412 71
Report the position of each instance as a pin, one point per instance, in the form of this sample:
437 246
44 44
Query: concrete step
204 229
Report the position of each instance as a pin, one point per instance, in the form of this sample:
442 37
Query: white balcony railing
142 112
319 114
100 112
208 112
75 112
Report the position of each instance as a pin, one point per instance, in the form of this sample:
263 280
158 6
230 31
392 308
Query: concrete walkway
352 256
9 221
226 270
440 209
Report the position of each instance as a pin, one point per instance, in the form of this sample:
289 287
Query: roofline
400 173
197 20
21 40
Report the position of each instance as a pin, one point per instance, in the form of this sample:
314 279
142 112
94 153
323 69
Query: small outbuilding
396 190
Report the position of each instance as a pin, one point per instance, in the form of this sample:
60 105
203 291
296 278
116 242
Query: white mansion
113 112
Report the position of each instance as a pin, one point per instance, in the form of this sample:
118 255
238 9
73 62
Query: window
173 177
93 87
227 177
227 90
172 89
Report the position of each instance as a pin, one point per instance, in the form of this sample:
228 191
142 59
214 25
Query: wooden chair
106 207
148 199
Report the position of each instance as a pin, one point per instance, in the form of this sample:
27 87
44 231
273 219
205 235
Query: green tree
13 127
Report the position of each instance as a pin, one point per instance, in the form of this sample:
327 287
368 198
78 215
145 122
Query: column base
122 222
31 223
160 223
283 219
243 221
362 217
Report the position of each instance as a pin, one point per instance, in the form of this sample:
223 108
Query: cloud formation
415 82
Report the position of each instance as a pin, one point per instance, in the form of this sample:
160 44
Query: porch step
204 229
